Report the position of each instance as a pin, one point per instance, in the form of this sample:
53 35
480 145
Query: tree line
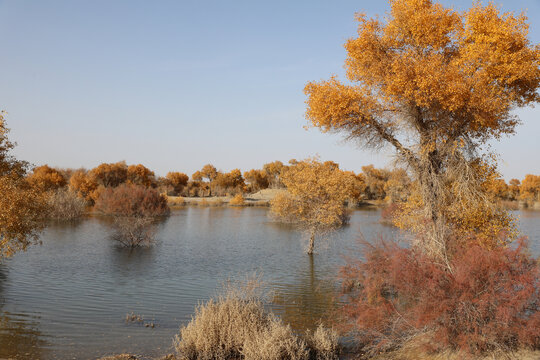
380 184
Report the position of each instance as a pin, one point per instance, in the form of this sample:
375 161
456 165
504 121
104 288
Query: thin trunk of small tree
311 242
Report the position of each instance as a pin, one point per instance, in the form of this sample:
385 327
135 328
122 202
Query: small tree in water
315 197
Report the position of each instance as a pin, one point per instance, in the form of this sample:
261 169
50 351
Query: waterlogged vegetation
443 272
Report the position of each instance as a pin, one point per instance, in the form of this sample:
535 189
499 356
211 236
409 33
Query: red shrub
489 300
389 212
131 200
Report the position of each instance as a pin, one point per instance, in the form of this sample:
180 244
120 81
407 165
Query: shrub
134 208
236 326
65 205
133 231
176 201
323 343
237 200
132 200
275 341
488 301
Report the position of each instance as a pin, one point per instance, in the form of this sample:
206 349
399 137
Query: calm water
69 297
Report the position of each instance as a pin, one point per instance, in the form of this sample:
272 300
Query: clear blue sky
177 84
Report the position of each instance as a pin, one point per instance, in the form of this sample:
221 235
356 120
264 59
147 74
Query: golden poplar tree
435 84
315 197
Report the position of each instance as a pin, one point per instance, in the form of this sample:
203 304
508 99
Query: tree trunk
311 242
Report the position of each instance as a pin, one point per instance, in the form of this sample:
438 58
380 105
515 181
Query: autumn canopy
436 84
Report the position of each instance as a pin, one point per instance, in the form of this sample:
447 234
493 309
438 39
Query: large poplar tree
435 84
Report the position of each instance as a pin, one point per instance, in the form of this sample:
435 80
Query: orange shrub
237 200
131 200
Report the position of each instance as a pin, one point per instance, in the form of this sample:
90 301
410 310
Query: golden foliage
315 197
530 188
84 185
45 178
177 180
109 175
472 217
22 207
257 179
273 171
435 84
140 175
231 182
208 172
237 200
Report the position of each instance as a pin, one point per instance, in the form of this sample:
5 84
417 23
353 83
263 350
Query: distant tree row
526 190
371 183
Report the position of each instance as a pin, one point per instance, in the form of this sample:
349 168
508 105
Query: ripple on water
69 297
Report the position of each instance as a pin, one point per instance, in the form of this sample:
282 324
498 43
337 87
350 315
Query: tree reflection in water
306 302
20 337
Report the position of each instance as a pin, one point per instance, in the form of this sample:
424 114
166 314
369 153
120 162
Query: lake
69 297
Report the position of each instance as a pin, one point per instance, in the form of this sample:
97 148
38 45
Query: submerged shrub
133 231
65 204
134 208
489 300
236 326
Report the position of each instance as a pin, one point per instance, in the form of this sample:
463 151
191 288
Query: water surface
69 297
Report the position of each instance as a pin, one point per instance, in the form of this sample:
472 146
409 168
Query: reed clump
235 325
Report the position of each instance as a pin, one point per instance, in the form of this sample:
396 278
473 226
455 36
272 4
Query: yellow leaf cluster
316 195
22 207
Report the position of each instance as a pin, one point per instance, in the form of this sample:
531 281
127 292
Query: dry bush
324 343
237 200
275 341
65 205
203 202
176 201
133 231
416 350
132 200
236 326
489 301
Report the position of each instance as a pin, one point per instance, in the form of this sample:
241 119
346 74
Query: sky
175 85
